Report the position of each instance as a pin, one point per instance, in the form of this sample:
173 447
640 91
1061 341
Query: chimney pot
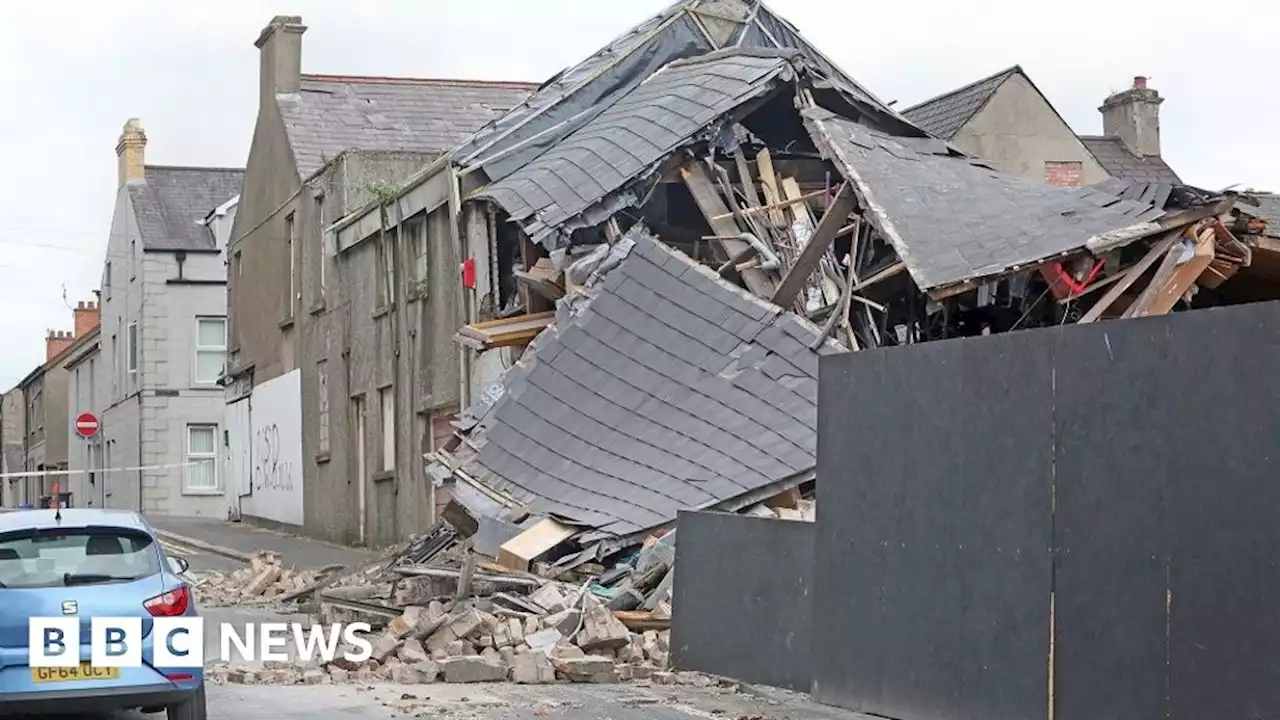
1133 115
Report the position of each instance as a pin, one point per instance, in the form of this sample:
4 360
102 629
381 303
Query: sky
74 72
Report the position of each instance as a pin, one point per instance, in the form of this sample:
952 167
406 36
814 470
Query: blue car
86 563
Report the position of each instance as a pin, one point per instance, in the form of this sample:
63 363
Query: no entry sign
86 425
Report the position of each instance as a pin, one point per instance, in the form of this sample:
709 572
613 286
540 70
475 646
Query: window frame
199 349
191 457
387 428
131 354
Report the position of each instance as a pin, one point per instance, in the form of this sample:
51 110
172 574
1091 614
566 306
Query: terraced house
163 337
322 432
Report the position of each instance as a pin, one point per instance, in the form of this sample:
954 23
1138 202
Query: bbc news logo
178 642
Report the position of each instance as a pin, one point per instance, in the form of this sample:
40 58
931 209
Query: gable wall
1018 132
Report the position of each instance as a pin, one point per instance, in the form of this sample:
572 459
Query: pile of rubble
581 641
265 580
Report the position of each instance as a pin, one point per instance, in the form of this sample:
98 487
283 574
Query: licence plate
73 674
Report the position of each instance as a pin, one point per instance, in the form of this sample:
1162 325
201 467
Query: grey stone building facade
12 432
339 361
164 335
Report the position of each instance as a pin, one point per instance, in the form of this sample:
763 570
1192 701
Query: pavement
212 544
502 702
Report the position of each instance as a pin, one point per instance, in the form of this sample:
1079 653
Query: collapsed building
660 243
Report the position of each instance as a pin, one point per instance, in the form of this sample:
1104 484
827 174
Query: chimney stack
1134 116
280 47
131 152
56 342
88 315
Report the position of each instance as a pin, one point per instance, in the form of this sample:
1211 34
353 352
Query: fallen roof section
951 219
672 107
578 94
661 388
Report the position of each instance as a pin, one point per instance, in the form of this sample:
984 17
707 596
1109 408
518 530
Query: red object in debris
86 425
469 274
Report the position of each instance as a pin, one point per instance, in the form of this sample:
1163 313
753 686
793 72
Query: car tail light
171 604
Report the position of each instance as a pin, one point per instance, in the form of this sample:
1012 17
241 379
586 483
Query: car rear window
76 557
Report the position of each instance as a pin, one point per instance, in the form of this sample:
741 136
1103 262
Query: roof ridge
202 168
1007 71
390 80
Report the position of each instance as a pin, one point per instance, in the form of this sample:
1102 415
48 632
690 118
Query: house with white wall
164 335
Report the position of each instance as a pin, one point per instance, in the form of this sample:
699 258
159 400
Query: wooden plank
1164 273
814 250
769 186
521 550
790 202
744 177
712 204
1183 278
1130 277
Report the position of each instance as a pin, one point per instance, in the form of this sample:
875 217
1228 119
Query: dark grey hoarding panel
1167 507
933 568
742 599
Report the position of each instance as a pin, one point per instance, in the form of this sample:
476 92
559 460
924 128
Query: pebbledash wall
1064 523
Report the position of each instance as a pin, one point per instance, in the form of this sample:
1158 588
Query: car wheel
193 708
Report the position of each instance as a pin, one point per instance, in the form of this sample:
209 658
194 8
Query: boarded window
387 402
322 387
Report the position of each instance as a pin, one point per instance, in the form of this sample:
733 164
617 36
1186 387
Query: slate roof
664 389
171 201
944 115
332 114
637 133
577 94
1267 210
1120 162
951 219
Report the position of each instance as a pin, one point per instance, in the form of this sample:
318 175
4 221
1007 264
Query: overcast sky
73 72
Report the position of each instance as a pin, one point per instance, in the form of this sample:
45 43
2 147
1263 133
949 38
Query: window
115 366
202 459
133 259
322 259
106 280
76 557
387 401
387 279
131 348
415 232
322 382
211 349
293 265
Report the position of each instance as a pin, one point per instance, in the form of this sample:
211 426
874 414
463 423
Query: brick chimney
280 47
88 315
131 152
1133 115
56 342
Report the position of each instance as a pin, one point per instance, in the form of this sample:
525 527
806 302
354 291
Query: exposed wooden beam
1131 276
813 251
712 205
1166 295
